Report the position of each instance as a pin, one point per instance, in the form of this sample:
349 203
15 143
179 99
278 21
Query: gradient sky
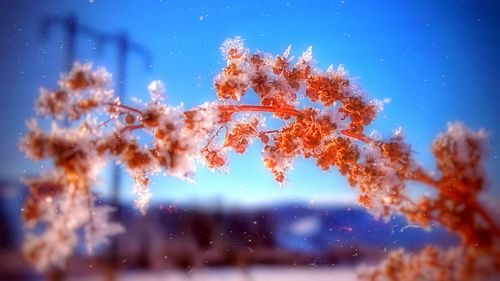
438 61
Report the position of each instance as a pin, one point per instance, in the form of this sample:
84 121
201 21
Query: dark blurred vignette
288 240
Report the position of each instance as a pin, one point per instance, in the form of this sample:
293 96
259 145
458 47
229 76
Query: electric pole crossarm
73 28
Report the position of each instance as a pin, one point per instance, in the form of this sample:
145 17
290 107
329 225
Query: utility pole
124 46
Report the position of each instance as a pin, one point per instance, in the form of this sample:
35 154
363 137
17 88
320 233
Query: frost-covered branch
324 117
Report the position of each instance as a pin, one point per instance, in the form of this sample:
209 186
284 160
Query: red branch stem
126 107
422 177
131 128
259 108
419 176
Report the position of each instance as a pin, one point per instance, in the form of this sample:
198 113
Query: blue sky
436 60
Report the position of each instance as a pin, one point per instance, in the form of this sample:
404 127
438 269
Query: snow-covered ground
237 274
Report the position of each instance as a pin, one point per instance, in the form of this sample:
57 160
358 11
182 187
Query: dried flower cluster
433 263
323 115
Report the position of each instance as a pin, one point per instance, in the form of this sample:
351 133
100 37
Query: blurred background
437 61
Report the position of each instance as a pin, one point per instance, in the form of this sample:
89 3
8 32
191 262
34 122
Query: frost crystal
141 190
233 48
101 228
306 56
286 54
157 91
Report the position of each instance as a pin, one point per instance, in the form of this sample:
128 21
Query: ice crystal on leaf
286 53
305 57
156 90
100 228
460 151
233 49
141 190
433 263
62 217
322 116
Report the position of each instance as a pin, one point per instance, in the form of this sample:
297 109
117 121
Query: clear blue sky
437 61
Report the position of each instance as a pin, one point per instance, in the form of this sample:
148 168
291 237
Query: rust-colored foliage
324 118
